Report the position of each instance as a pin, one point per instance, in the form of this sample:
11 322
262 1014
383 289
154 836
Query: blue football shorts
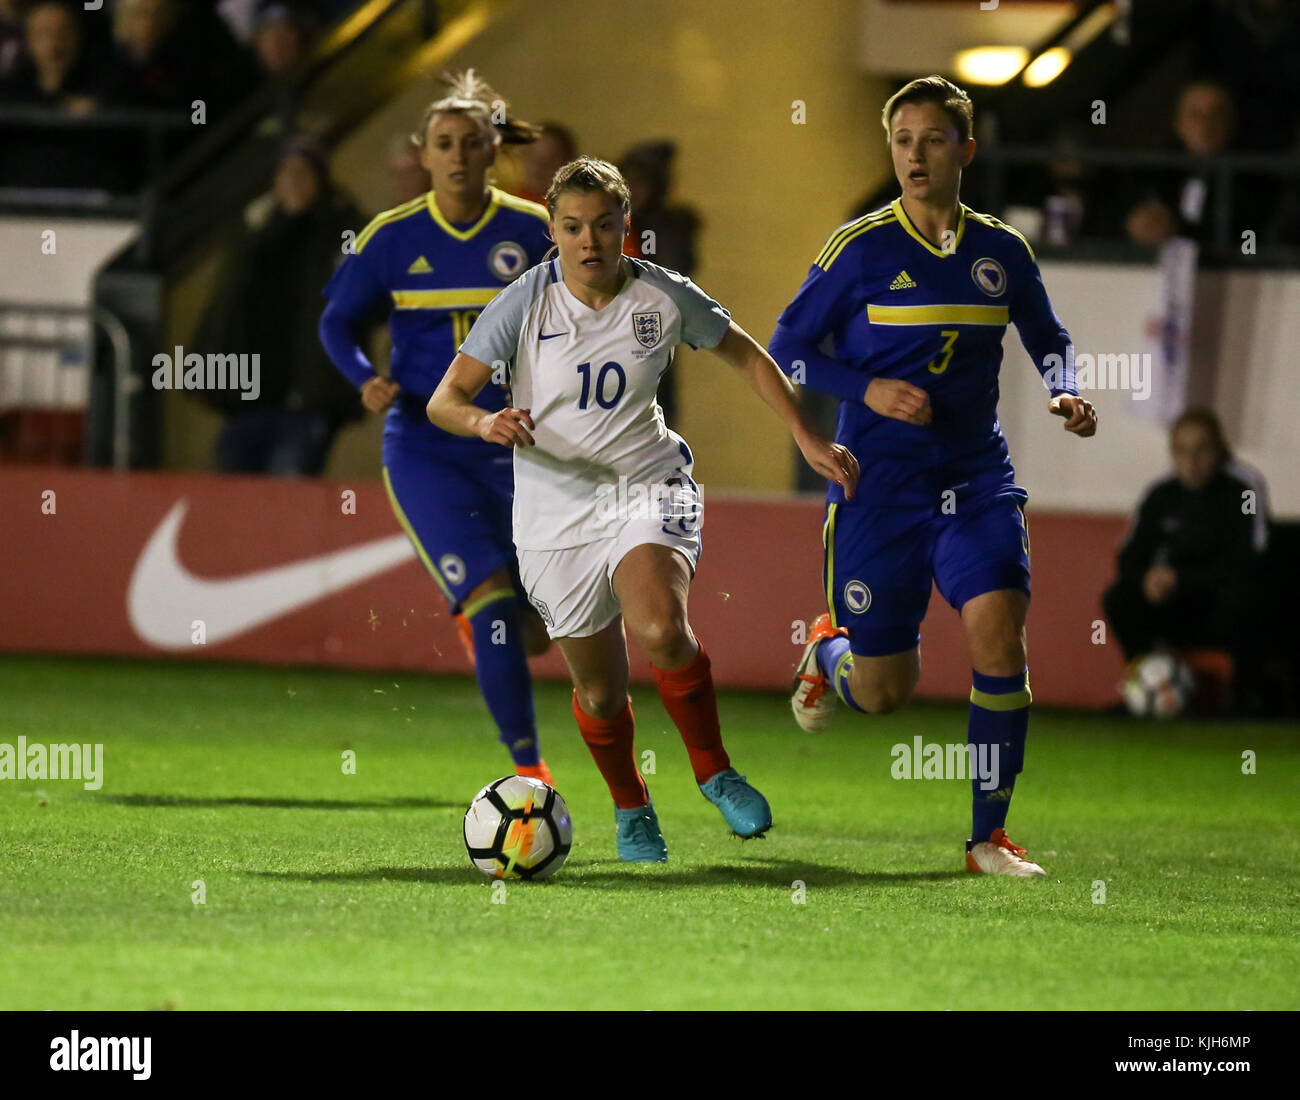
456 510
881 562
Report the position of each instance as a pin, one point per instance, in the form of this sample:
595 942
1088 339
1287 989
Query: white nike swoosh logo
164 598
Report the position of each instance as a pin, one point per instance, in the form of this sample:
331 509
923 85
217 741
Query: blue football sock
502 670
999 723
836 663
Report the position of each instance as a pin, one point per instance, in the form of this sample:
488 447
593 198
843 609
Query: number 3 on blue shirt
604 402
949 338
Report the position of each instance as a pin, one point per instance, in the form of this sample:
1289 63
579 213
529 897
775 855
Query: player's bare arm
453 410
833 461
1080 416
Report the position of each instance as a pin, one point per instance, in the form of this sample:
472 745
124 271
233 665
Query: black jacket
1207 537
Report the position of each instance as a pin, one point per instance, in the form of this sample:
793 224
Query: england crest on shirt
647 328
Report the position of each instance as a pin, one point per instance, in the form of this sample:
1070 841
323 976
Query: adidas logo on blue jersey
420 267
903 282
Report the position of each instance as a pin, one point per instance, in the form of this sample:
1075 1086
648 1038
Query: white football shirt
590 378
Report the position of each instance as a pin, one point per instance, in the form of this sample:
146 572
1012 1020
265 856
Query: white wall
44 355
1247 330
81 245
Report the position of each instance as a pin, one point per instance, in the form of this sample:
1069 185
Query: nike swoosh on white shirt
164 598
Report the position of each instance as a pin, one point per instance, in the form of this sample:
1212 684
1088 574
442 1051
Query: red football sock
610 743
691 703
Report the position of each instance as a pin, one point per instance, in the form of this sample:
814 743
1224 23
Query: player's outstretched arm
1049 346
831 460
453 410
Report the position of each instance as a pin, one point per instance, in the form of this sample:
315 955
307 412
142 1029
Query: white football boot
813 701
999 856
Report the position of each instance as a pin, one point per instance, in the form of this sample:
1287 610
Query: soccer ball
518 825
1158 686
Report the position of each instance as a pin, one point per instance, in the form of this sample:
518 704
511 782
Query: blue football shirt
432 279
885 301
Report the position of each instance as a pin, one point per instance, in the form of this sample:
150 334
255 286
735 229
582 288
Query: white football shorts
573 589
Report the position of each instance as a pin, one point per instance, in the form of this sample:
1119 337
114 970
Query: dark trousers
284 442
1227 617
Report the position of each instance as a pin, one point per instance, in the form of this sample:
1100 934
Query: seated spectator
55 73
1179 203
1190 567
268 303
54 70
169 54
1067 199
1253 48
151 70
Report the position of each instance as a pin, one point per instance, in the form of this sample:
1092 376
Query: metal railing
1225 172
151 127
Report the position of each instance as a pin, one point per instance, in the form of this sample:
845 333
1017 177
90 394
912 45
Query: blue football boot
743 808
639 838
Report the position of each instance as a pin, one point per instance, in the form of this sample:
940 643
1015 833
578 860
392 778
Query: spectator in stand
169 54
151 70
555 147
1179 203
267 303
660 231
1190 568
282 38
1070 198
1253 47
54 73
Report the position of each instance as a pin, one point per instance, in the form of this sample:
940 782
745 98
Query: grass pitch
327 890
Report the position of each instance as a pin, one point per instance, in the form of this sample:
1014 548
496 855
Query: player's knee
882 698
665 638
877 694
999 654
599 700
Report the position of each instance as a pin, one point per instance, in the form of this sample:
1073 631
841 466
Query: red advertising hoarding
207 567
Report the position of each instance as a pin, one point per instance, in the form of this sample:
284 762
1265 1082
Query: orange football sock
610 743
692 704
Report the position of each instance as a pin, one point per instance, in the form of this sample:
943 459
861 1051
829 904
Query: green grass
326 890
